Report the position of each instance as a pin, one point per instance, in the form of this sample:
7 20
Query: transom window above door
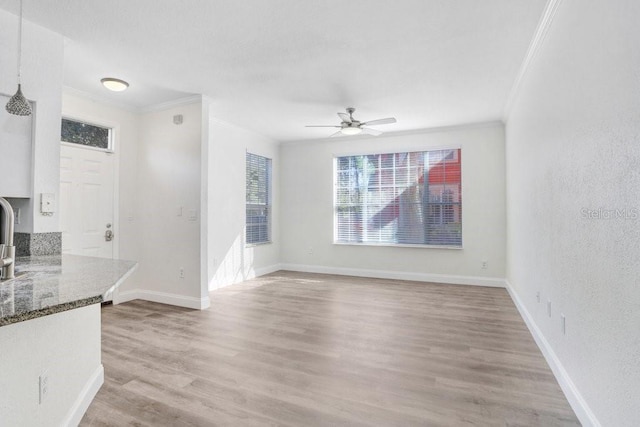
86 134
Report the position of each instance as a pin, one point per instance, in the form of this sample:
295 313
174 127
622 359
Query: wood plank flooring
297 349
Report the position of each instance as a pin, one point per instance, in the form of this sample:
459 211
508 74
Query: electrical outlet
549 307
16 214
43 384
538 296
182 272
485 264
563 324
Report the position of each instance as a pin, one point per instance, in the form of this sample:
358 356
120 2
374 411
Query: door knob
108 236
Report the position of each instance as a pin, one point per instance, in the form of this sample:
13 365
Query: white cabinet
16 153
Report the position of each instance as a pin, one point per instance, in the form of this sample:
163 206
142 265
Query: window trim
401 149
398 245
112 134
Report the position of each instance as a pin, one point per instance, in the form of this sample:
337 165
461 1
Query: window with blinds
410 198
258 202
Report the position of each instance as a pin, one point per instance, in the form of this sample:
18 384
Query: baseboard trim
577 402
89 391
218 283
266 270
494 282
163 298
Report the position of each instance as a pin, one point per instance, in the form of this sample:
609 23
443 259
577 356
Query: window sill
88 147
251 245
391 245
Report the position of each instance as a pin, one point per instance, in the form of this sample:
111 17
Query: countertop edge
21 317
53 284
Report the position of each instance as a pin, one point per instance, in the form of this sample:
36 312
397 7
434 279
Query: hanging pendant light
18 104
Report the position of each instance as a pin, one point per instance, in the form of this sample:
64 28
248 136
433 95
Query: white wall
159 176
160 168
16 148
169 209
307 209
125 126
64 346
42 68
573 143
229 260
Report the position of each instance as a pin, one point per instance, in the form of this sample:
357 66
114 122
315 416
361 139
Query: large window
258 225
399 199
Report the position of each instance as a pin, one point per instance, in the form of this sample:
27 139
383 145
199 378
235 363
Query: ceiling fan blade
322 126
370 131
344 117
336 134
381 121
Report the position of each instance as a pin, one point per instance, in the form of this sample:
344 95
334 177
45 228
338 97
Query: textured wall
573 159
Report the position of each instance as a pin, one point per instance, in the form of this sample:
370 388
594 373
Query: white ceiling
274 66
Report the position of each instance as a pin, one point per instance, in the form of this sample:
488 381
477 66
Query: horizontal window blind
258 201
411 198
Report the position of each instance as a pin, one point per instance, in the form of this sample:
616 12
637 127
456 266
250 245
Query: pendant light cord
20 44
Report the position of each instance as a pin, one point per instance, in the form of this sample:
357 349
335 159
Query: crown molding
534 47
437 129
270 140
103 100
133 109
171 104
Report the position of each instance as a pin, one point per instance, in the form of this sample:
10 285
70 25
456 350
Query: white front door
86 201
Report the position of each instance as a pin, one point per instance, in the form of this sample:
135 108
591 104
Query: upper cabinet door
16 152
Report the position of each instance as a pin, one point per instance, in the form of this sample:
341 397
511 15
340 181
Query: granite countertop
46 285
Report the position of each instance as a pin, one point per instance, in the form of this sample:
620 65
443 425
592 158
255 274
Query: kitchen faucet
7 250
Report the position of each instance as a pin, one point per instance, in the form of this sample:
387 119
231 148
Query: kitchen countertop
46 285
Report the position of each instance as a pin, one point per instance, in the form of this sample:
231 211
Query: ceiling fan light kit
348 130
350 126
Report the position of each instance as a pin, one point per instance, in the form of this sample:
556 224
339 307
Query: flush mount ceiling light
18 104
114 84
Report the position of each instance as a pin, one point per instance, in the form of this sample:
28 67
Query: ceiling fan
351 126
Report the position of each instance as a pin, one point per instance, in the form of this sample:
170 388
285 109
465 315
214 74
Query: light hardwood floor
295 349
